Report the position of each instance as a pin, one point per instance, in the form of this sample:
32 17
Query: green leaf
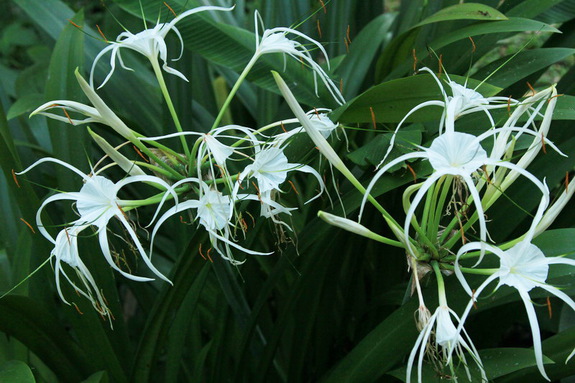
554 243
532 8
464 11
522 65
189 275
39 330
69 143
392 100
395 54
558 348
373 152
363 49
16 371
565 108
380 350
497 362
98 377
25 104
513 24
559 13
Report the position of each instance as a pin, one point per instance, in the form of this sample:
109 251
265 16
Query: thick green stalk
235 88
440 284
328 152
166 94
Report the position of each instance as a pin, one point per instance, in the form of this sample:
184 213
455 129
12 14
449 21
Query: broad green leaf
557 348
70 144
380 350
25 104
27 321
26 201
522 65
464 11
557 242
353 69
559 13
98 377
565 108
391 101
402 46
373 152
497 362
189 275
531 8
16 371
18 35
513 24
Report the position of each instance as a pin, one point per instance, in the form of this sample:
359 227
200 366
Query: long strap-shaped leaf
28 321
190 272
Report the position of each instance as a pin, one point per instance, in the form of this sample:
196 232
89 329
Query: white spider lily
99 113
457 154
150 43
270 169
445 337
275 40
523 267
462 101
66 251
97 203
269 207
214 211
210 146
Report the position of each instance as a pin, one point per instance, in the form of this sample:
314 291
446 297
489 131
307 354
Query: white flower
461 155
444 337
523 267
99 113
462 101
150 43
97 203
210 146
275 40
214 212
270 169
66 251
465 101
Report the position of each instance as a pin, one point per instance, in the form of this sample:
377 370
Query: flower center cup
97 201
523 266
214 210
454 150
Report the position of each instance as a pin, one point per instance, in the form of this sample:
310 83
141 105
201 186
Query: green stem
422 234
164 148
469 270
156 159
440 284
441 206
155 199
166 94
239 81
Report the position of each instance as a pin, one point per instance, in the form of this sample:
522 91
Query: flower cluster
469 173
207 186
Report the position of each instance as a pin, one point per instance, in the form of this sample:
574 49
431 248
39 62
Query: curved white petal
381 171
